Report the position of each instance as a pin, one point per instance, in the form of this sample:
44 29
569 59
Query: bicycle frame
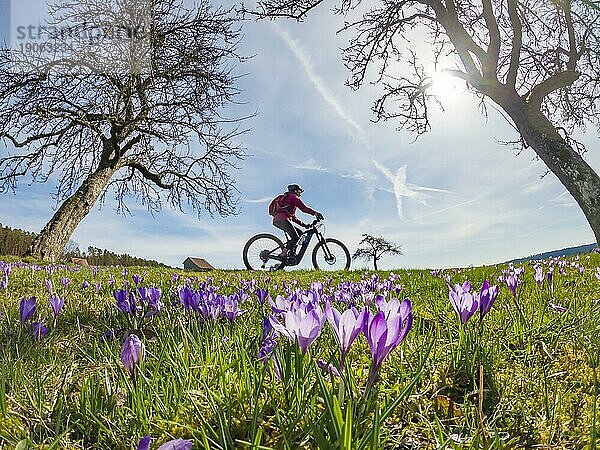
304 241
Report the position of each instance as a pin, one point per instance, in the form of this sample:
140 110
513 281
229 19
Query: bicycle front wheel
331 254
259 252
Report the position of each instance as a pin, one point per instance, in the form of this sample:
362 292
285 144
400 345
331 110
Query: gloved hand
319 216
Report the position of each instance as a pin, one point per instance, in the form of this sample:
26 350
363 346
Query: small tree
375 247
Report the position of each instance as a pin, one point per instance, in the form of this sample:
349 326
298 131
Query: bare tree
537 60
129 103
374 248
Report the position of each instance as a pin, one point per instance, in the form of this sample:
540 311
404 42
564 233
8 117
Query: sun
446 87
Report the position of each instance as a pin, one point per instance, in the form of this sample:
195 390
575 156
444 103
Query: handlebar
314 222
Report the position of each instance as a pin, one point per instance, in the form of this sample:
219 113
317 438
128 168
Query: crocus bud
132 353
39 330
26 309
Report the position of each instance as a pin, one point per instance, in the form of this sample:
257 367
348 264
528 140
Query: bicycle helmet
295 187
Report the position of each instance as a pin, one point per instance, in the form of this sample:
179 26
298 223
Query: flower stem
594 411
481 417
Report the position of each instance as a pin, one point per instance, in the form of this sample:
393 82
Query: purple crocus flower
280 304
389 308
133 304
189 298
26 309
266 328
262 295
347 326
57 304
464 302
266 349
231 309
122 301
156 305
142 294
511 281
39 330
85 285
137 279
65 282
132 353
557 308
302 325
383 335
328 368
48 285
539 276
487 296
5 271
144 443
175 444
110 334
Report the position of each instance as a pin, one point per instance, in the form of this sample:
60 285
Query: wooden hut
198 264
79 261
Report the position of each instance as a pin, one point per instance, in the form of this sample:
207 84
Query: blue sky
455 197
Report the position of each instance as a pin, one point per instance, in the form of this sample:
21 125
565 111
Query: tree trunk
375 262
582 182
50 243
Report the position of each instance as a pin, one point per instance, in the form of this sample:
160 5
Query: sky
454 197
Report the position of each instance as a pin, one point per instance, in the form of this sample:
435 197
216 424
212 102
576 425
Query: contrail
442 210
401 188
304 58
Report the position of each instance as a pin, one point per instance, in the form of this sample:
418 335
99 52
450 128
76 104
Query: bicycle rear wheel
260 249
331 254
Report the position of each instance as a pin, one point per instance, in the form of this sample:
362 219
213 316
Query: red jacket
289 204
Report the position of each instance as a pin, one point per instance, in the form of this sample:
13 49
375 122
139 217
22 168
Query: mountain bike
265 251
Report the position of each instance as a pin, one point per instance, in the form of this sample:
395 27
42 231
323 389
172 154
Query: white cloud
310 164
563 200
259 200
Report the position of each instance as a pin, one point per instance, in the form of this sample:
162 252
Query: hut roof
200 263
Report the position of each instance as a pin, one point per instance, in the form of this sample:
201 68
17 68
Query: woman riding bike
265 251
283 210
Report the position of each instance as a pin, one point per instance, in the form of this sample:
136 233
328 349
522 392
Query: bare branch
493 53
517 41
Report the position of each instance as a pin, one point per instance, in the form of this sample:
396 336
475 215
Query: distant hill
569 251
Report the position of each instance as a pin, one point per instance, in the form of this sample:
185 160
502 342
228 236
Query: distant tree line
16 242
102 257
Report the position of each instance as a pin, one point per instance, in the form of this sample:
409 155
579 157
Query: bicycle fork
328 255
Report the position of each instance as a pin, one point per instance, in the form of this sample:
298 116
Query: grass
202 379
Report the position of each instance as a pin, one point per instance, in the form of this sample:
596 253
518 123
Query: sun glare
446 87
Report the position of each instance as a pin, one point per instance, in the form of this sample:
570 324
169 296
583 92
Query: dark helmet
295 187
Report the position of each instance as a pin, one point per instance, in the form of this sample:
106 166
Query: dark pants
293 233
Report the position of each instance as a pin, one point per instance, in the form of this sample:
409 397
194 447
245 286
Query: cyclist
285 213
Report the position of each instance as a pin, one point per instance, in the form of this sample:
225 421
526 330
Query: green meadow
522 376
